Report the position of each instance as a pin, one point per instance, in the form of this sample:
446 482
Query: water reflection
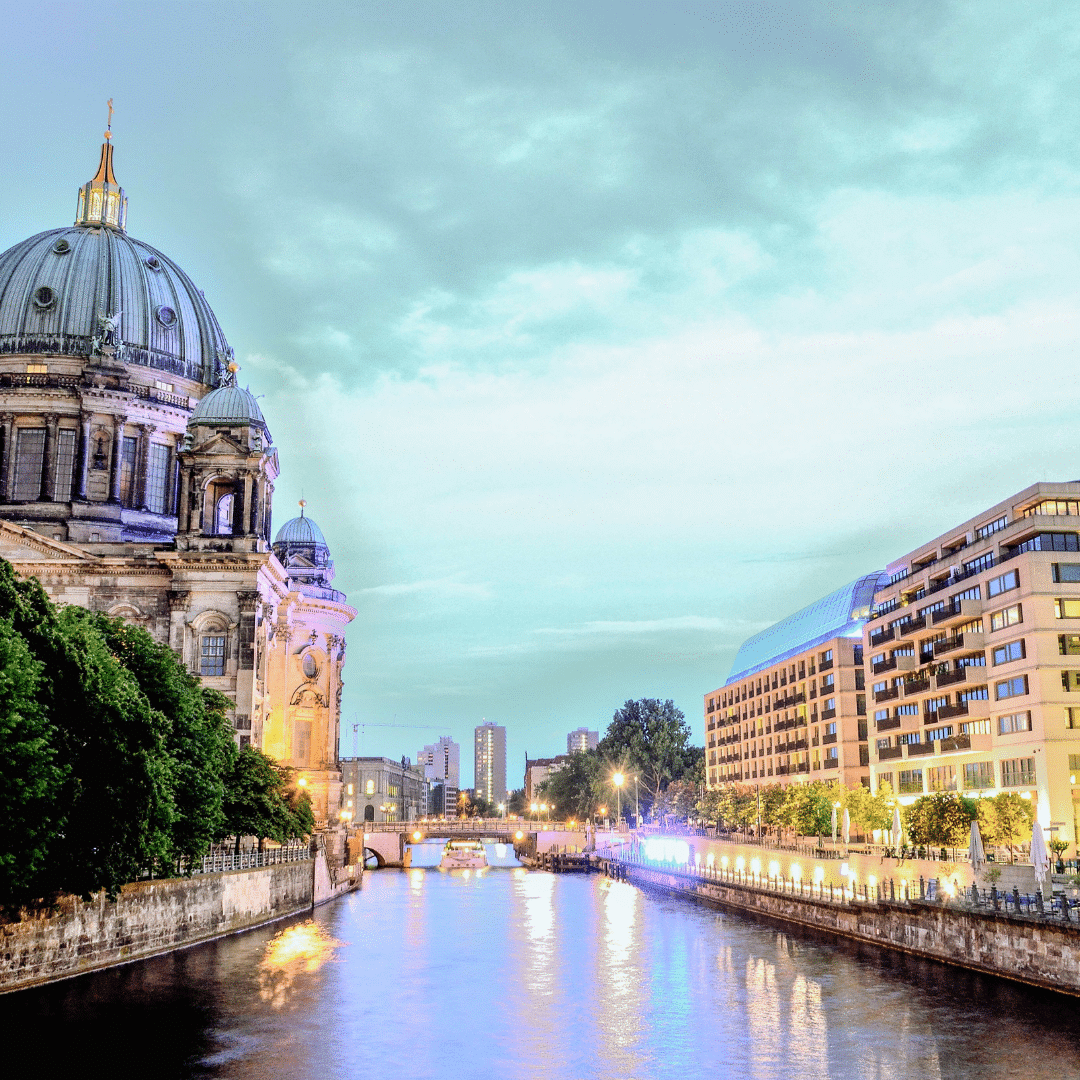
539 977
296 951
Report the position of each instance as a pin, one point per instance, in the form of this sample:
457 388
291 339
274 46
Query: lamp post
637 811
404 766
618 779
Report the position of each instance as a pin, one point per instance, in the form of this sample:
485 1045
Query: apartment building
382 789
581 740
794 707
973 659
489 763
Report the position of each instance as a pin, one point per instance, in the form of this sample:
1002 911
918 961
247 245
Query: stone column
142 465
118 445
7 433
170 481
84 456
48 458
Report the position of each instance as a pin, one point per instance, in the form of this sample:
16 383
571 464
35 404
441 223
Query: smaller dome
300 530
228 405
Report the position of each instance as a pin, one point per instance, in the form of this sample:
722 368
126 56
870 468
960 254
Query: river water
516 974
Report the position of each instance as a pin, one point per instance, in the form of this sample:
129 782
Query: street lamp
637 811
618 780
404 766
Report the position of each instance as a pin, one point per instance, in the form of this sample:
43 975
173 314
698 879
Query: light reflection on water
528 975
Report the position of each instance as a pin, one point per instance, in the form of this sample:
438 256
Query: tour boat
463 855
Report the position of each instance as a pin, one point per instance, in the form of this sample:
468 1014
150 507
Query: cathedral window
65 464
29 455
223 515
128 450
212 655
156 478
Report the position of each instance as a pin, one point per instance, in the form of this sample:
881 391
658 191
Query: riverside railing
220 861
499 825
906 893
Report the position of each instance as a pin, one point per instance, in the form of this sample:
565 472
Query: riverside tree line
114 760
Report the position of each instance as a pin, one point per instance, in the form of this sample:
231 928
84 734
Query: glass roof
840 614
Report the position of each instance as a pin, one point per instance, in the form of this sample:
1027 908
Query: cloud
432 587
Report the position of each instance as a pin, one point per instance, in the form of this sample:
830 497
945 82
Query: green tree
942 819
29 794
1006 820
260 802
578 788
650 739
516 805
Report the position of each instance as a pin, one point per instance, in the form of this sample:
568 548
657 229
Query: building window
911 782
1012 722
369 788
29 455
884 778
1066 572
976 693
350 789
977 566
1004 654
983 531
212 655
65 464
935 734
243 721
223 515
942 778
1053 508
975 727
910 708
1069 644
156 478
1067 608
909 738
1018 772
1011 687
1003 583
1009 616
1070 681
978 775
1072 717
128 450
245 740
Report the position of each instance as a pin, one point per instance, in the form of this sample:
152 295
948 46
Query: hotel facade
967 663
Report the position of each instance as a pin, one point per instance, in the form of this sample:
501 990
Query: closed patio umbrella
1040 857
897 829
834 824
847 826
975 847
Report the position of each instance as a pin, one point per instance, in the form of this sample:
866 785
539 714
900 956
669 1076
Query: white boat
463 855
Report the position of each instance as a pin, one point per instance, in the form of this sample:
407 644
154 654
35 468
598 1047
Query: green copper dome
226 405
300 530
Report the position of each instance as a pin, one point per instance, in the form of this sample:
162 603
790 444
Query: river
517 974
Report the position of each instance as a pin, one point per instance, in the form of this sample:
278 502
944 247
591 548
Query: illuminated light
1072 779
724 862
774 869
500 851
755 866
416 835
518 835
1025 794
618 779
302 781
603 810
740 864
871 881
844 871
949 887
796 872
697 859
819 874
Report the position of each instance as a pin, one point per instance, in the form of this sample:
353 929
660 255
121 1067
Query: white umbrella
1040 858
975 847
847 826
897 830
834 824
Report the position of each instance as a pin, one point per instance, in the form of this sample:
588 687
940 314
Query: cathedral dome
229 404
300 530
57 287
302 549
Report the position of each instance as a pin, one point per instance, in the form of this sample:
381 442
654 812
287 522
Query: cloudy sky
598 336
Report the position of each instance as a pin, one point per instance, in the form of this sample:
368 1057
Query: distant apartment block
582 739
441 763
973 656
537 770
489 763
794 707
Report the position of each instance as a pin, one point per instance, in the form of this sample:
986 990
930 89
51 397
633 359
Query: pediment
219 444
21 545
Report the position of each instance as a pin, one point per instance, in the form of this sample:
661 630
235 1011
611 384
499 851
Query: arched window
369 812
223 515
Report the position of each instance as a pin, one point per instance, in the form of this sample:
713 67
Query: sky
597 336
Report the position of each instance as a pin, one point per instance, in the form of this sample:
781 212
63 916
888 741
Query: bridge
386 841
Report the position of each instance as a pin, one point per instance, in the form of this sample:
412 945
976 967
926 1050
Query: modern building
489 763
381 789
582 739
441 764
973 655
137 479
793 708
537 770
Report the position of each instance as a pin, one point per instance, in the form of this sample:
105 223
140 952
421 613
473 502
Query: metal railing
456 825
221 860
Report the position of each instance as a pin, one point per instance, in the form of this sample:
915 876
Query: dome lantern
102 200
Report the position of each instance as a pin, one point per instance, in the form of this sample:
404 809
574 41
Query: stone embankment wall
1034 951
153 917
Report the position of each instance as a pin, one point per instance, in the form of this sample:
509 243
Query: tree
942 819
259 801
32 778
1006 820
516 803
579 787
650 739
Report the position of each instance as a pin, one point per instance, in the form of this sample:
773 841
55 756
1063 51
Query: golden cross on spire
108 130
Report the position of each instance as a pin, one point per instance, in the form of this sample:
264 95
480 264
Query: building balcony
827 739
888 724
885 665
831 763
881 636
888 694
827 714
958 612
911 626
825 665
957 744
957 675
802 767
970 642
948 712
916 686
920 749
889 753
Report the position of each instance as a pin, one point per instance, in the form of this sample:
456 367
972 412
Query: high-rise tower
489 762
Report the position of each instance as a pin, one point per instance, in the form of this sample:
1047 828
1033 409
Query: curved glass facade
840 614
